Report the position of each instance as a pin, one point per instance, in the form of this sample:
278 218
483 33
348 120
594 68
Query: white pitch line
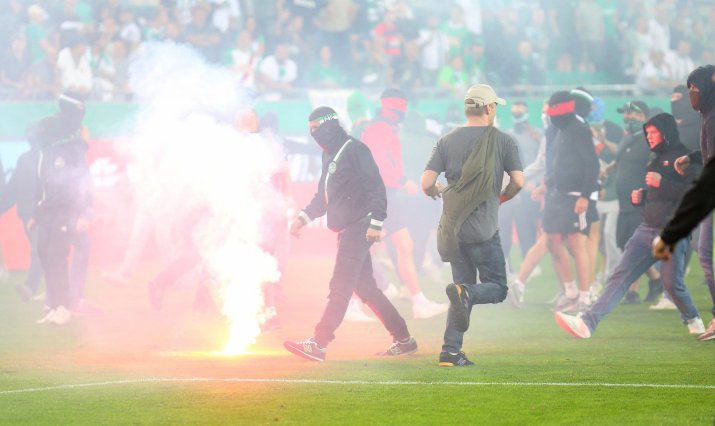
349 382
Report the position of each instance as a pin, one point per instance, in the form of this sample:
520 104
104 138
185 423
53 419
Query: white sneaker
537 272
47 318
566 304
404 293
354 313
62 316
428 310
516 295
664 304
594 291
709 333
695 325
573 324
391 291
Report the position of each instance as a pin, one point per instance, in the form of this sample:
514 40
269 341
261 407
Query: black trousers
353 273
54 238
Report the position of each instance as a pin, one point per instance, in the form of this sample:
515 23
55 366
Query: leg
463 271
489 261
635 261
34 275
374 298
80 264
576 244
705 255
671 274
532 258
402 241
527 217
54 248
353 251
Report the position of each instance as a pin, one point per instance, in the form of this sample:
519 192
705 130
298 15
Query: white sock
583 296
570 289
519 284
419 299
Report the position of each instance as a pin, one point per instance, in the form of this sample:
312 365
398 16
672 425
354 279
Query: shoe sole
558 316
513 300
461 314
300 353
706 337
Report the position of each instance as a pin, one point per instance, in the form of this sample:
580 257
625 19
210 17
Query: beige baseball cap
479 95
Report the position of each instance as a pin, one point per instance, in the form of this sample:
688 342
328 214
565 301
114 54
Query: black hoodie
660 202
703 78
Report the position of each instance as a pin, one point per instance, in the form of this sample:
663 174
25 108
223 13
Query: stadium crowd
282 45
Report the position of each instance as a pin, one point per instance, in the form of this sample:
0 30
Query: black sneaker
446 359
459 299
307 349
401 348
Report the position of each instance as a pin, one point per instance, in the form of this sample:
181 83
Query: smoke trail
205 184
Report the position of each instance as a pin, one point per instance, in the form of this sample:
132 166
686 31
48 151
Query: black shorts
559 216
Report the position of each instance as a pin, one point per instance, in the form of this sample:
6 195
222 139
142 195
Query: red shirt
384 142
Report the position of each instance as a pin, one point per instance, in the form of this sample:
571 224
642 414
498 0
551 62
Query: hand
373 235
661 250
437 191
31 224
681 164
637 196
411 187
82 225
653 179
581 205
295 226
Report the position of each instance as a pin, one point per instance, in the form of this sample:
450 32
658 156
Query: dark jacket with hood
350 187
632 159
660 202
64 178
703 78
688 119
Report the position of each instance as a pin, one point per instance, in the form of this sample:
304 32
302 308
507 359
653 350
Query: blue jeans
635 261
486 257
705 254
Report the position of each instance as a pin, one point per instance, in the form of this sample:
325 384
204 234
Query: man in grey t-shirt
478 237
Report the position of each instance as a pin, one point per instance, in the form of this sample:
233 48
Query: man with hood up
62 209
352 194
664 189
571 178
696 204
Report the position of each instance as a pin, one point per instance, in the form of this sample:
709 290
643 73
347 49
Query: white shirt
282 73
435 46
74 75
225 11
680 66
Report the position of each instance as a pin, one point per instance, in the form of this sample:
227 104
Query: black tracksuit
64 198
632 159
354 200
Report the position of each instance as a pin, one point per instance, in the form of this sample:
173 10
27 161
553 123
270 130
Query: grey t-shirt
449 155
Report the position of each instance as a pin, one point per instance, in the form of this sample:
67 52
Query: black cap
635 106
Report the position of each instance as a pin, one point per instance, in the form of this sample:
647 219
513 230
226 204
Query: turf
131 343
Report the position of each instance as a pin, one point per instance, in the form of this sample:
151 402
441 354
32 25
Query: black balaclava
561 109
668 128
71 114
681 109
702 78
583 99
329 135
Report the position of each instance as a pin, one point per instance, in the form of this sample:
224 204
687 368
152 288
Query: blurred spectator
659 27
537 31
102 71
640 44
74 67
680 62
476 62
226 15
278 71
202 34
335 21
388 38
71 19
36 33
456 31
523 68
325 74
157 28
120 80
655 77
409 74
15 67
129 31
453 77
44 79
435 48
590 26
298 46
244 58
10 21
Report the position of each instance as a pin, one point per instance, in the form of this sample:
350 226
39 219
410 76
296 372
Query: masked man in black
352 194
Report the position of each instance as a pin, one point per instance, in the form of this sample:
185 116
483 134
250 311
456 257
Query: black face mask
561 121
329 135
633 126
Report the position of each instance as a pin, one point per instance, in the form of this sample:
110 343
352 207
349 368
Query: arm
516 182
374 188
535 170
591 167
429 184
696 204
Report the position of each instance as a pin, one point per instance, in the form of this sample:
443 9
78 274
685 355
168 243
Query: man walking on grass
474 159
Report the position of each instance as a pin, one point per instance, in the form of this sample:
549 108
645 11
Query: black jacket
632 159
22 189
660 202
65 182
697 203
354 188
574 166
